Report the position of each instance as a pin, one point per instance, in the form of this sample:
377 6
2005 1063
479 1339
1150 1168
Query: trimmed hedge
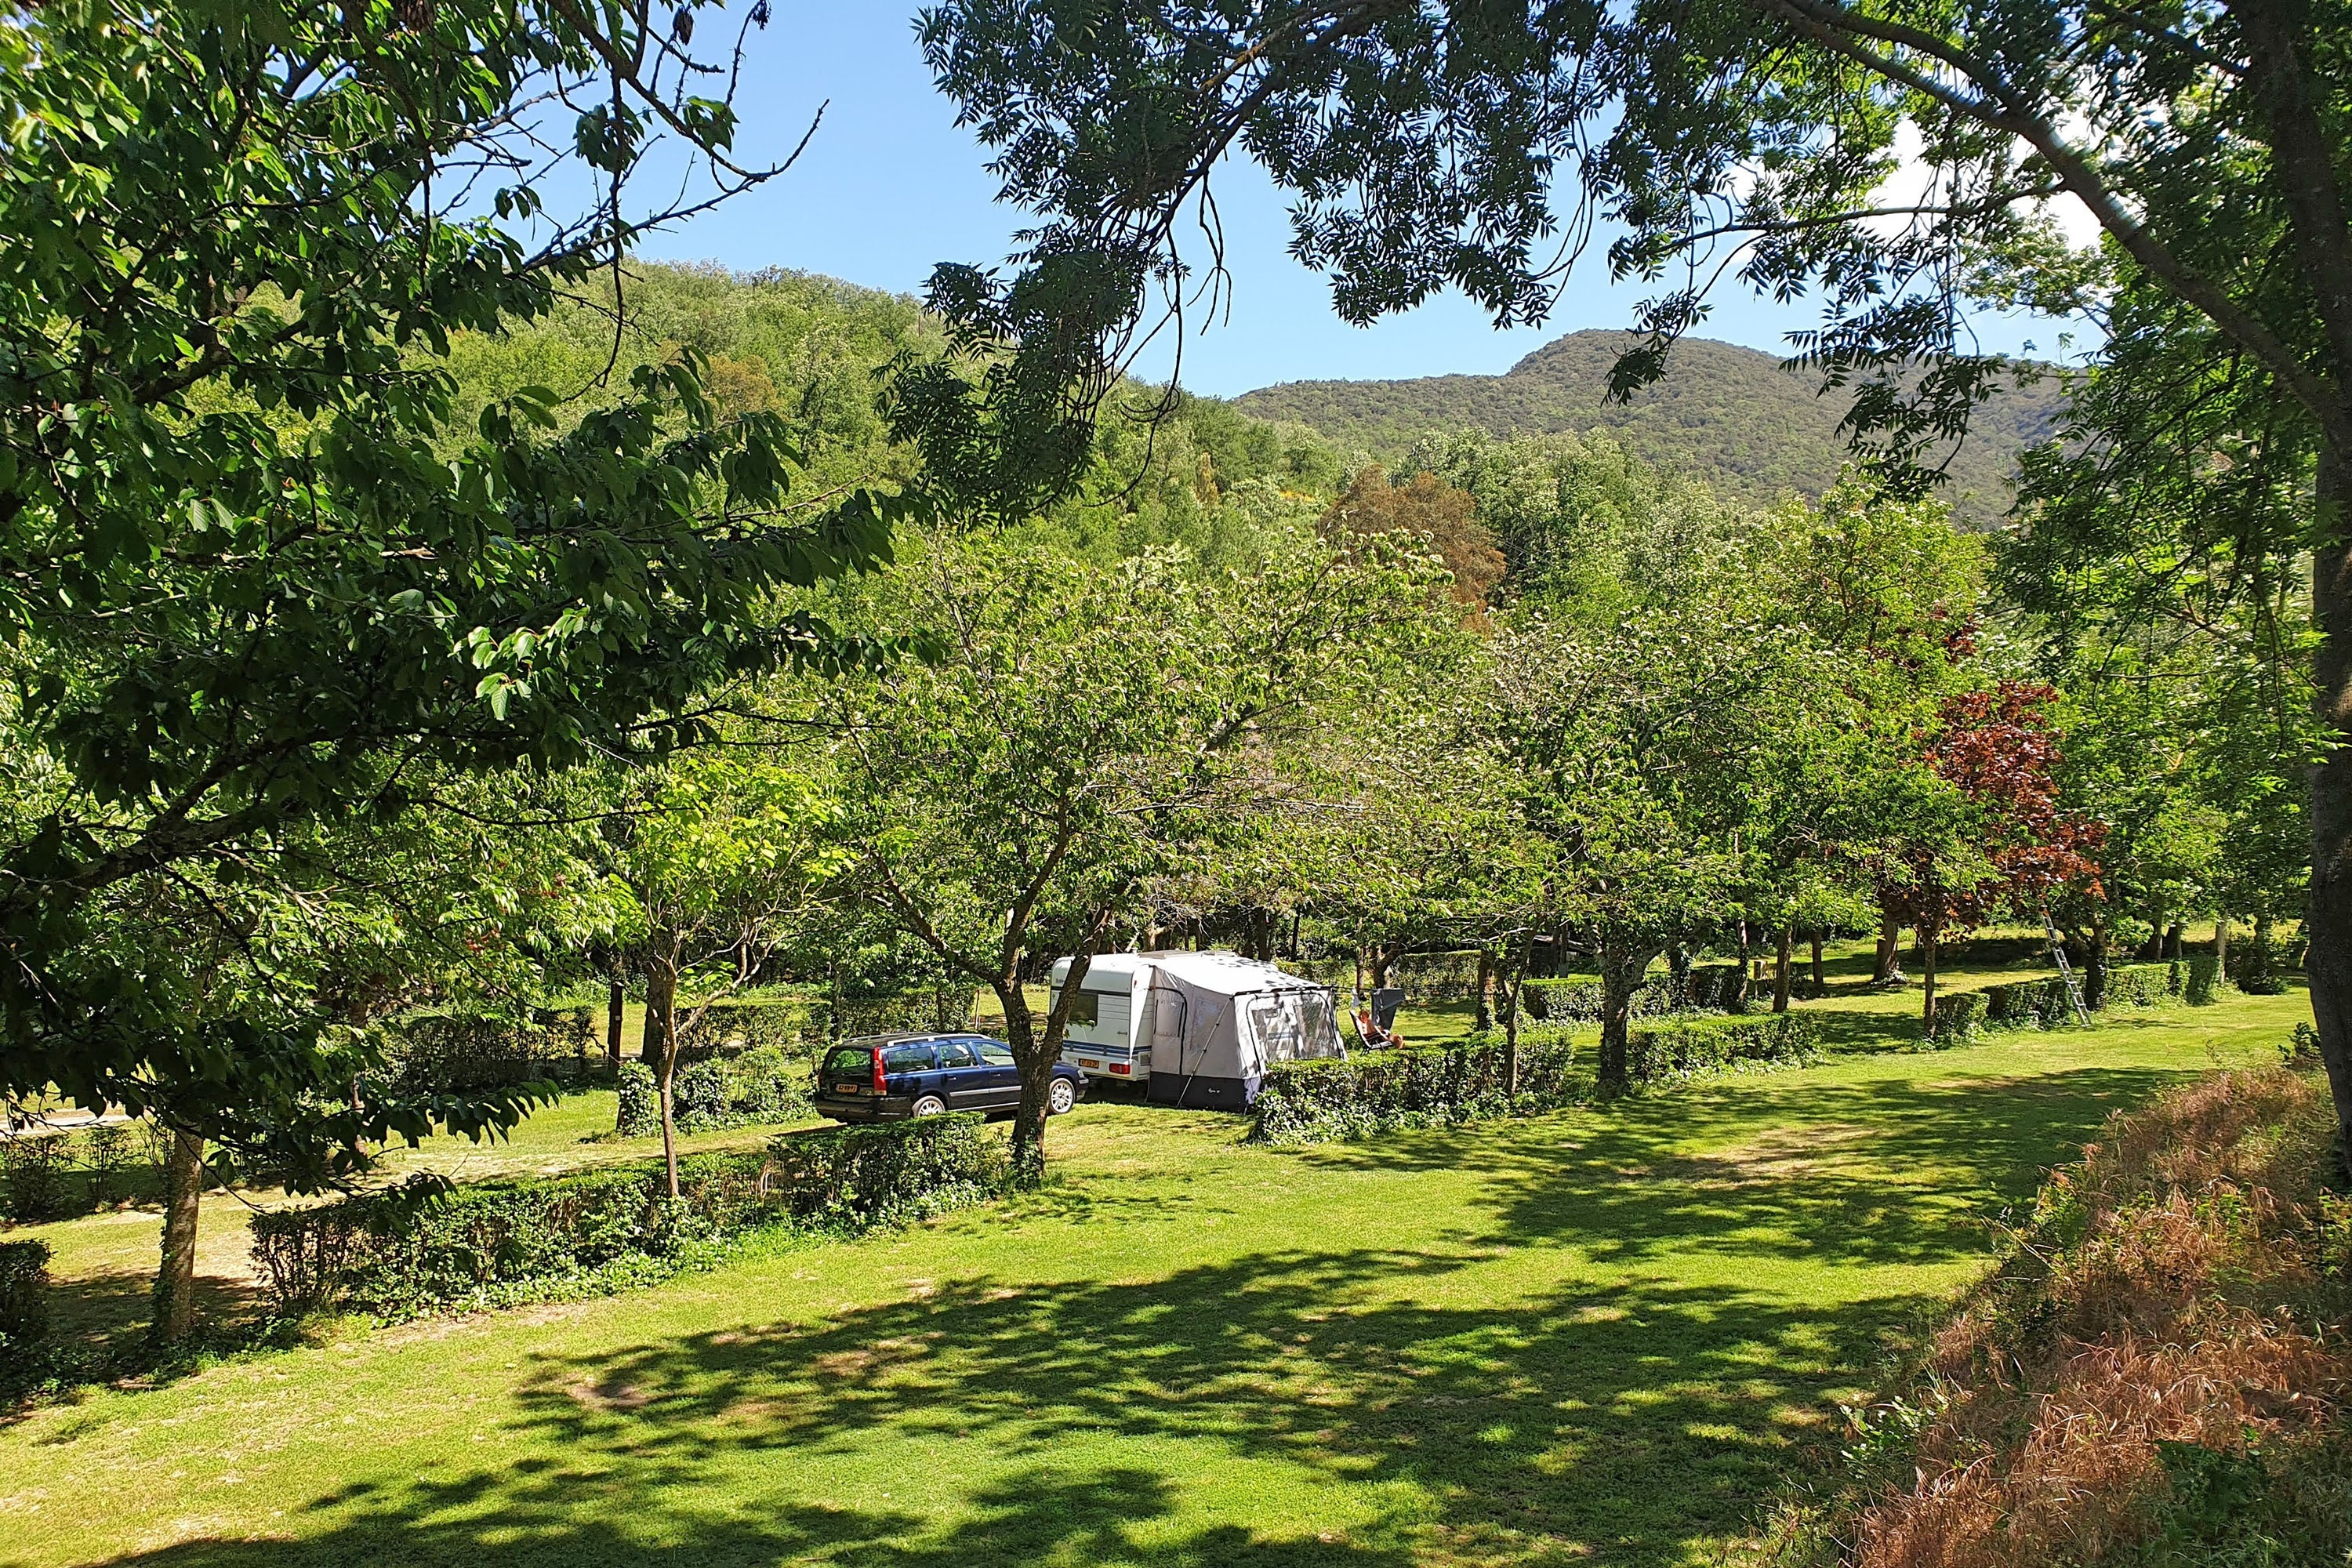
426 1245
1959 1017
2044 1004
1450 976
2143 984
738 1026
931 1007
1682 1050
23 1291
1712 988
57 1176
34 1166
2026 1004
1575 999
758 1086
451 1053
1415 1086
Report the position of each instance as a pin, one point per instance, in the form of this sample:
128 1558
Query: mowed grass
1597 1336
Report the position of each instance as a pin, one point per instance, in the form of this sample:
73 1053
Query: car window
906 1058
994 1053
957 1053
845 1060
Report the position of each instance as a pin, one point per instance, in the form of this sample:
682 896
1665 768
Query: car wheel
931 1105
1060 1098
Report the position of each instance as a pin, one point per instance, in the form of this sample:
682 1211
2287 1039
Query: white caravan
1199 1029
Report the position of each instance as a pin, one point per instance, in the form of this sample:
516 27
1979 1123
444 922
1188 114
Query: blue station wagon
888 1076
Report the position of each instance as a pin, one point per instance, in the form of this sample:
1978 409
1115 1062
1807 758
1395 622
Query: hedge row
2044 1004
57 1176
453 1053
23 1291
1426 976
427 1245
759 1086
1416 1086
1575 999
1681 1050
933 1007
737 1026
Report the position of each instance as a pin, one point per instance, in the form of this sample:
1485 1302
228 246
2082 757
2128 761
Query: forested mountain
1728 416
816 351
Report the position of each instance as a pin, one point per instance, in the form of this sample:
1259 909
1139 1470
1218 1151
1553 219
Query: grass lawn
1592 1336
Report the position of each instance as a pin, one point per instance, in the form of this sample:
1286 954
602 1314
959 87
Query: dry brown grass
2179 1286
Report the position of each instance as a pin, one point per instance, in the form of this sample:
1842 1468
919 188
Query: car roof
921 1038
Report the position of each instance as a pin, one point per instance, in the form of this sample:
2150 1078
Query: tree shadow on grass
1444 1405
541 1514
1629 1422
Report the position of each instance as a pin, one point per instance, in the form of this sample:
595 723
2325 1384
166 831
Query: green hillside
1730 417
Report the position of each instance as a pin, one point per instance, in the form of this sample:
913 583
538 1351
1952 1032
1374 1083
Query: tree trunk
1888 965
1928 941
2153 948
1511 1022
1485 996
616 1002
1678 974
1035 1051
1383 960
2172 935
1821 980
176 1281
2221 945
1784 972
1620 976
1737 1002
661 1038
2096 965
2328 928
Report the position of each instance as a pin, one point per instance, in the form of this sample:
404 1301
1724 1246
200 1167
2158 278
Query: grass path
1593 1336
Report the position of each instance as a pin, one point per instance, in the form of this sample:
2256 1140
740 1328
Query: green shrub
1568 999
110 1154
1575 999
452 1053
2027 1004
23 1291
2202 981
886 1174
2143 984
1712 988
1450 976
1417 1086
2257 965
1959 1018
34 1166
734 1027
427 1245
757 1085
1679 1051
931 1007
639 1115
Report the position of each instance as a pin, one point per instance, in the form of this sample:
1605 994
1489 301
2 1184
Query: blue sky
890 186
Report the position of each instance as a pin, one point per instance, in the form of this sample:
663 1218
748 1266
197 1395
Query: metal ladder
2065 970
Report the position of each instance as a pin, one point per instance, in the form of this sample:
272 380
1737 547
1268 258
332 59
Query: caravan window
1087 1007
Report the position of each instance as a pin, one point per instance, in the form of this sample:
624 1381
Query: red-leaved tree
2004 843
